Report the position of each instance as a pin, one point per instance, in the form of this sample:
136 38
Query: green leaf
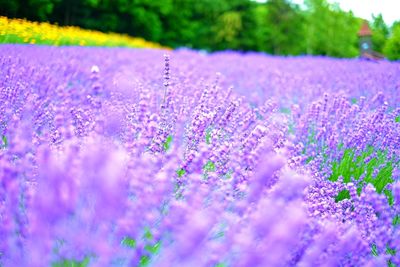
309 159
167 143
180 172
396 220
374 250
208 135
389 195
291 128
390 251
72 263
144 261
228 175
311 137
343 168
5 142
208 138
384 177
344 194
128 242
352 166
219 235
153 249
209 166
397 119
285 110
148 235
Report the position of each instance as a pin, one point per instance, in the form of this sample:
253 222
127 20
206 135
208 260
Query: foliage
380 33
285 28
330 31
72 263
275 26
376 170
167 143
392 47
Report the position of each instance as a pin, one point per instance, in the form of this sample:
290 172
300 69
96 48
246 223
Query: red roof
365 30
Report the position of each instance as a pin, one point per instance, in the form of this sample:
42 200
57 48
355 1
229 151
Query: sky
390 9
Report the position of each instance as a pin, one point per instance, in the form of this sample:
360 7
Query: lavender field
123 157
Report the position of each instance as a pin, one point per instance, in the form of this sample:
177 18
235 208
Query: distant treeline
276 26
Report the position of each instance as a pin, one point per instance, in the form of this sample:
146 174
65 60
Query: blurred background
281 27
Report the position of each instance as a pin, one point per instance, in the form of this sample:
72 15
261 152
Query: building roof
365 29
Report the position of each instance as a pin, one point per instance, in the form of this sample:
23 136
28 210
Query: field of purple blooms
123 157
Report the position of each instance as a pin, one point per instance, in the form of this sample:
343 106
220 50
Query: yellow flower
46 33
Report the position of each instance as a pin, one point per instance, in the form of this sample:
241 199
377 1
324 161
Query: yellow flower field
23 31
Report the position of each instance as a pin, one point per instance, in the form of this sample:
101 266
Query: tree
285 27
9 8
254 33
235 27
41 9
226 30
392 46
330 31
277 26
380 33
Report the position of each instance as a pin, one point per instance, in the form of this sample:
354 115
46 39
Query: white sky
390 9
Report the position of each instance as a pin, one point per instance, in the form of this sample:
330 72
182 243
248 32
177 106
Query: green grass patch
351 166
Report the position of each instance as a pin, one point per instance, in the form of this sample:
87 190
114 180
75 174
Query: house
365 43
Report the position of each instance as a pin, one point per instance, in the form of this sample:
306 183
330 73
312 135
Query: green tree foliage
254 33
9 8
33 9
392 47
274 26
227 28
380 33
330 31
285 28
236 27
42 8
